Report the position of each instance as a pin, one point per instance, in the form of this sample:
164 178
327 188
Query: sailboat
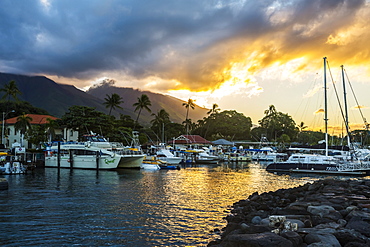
322 164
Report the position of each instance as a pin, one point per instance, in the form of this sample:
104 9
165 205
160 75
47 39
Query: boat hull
317 168
170 160
131 161
84 162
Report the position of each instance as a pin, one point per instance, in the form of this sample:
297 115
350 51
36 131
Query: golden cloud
319 111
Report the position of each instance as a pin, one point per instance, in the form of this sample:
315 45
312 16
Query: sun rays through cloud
227 52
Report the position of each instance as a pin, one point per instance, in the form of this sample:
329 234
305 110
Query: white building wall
15 136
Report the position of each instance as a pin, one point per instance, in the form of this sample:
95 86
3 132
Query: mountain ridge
56 98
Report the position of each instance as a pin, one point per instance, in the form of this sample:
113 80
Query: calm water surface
128 207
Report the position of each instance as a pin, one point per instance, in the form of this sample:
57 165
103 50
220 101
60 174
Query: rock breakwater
324 213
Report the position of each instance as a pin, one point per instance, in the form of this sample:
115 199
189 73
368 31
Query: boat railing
128 152
353 166
53 144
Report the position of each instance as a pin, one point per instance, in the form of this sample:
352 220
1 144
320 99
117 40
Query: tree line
275 126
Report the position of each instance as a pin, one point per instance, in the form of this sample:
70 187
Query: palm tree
160 120
189 104
301 126
215 109
189 125
10 89
142 103
270 111
113 102
23 124
50 126
161 117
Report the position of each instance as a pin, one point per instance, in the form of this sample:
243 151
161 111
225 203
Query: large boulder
266 239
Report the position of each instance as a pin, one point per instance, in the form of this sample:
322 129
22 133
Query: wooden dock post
58 155
97 160
70 158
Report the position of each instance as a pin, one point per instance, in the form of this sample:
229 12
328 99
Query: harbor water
52 207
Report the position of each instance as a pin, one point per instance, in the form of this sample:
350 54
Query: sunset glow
242 55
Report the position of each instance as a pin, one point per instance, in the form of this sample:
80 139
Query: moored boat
154 161
165 155
95 153
267 154
309 163
238 157
14 161
202 157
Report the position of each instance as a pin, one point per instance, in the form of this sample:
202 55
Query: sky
243 55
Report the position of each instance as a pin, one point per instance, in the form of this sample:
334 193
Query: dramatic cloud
195 43
208 48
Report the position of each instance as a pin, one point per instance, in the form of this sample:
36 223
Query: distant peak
104 83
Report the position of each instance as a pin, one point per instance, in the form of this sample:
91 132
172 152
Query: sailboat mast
346 108
326 110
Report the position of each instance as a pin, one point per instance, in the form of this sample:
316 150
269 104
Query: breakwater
323 213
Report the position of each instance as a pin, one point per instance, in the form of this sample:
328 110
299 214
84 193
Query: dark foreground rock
324 213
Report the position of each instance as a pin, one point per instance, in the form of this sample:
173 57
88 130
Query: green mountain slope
56 98
172 105
49 95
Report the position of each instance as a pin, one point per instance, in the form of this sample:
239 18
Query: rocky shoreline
324 213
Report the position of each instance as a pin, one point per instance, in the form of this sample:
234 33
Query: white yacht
203 157
166 156
267 154
95 153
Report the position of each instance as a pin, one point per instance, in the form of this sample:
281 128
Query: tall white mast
326 110
346 109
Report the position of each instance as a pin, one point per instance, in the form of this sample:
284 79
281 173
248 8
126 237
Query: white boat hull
131 161
84 162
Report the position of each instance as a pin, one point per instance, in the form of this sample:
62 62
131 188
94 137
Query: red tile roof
36 119
191 139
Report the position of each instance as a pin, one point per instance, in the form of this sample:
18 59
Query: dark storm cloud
190 41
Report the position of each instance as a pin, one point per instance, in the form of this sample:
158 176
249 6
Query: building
190 139
12 136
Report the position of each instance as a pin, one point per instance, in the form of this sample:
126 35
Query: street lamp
2 132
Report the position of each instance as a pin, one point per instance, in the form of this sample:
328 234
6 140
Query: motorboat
238 157
202 157
167 156
95 153
267 154
150 163
14 161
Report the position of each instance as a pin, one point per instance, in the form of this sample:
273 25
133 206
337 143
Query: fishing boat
94 153
316 163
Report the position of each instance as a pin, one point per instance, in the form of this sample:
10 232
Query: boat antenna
325 110
346 109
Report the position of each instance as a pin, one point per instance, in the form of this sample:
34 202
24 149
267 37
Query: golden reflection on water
192 202
167 208
199 197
